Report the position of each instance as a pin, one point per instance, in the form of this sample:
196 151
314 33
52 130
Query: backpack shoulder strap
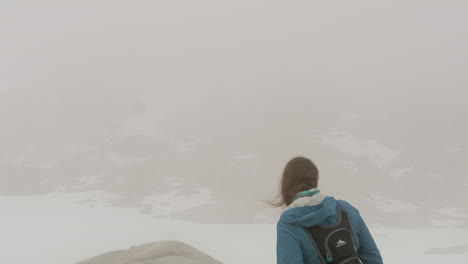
340 206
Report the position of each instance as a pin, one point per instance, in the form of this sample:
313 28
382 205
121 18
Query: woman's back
307 210
294 245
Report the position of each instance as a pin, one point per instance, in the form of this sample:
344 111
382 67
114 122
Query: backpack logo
341 243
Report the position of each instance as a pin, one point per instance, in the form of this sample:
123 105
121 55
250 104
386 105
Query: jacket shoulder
348 207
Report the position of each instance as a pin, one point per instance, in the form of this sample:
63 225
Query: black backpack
335 244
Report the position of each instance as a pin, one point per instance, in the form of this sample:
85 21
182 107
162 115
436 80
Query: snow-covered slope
55 229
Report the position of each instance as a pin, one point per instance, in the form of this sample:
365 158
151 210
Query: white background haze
126 122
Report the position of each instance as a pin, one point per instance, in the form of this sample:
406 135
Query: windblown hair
300 174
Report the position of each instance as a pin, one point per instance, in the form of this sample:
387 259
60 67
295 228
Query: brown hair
300 174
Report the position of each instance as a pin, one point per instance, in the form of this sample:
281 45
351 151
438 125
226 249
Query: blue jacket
293 245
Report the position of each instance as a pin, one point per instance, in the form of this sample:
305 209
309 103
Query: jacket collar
316 199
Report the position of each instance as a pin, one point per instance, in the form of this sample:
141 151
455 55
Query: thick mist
189 110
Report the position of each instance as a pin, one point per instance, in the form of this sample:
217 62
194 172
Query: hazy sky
134 96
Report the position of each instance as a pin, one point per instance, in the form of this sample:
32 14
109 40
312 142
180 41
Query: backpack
335 244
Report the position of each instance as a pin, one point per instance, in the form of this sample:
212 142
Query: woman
311 220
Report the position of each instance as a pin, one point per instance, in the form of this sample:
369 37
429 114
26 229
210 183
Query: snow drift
164 252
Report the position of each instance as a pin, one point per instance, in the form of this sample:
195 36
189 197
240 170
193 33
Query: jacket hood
311 215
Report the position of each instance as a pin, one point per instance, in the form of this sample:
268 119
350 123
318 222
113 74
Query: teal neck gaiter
310 192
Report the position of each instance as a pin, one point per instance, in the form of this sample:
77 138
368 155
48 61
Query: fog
189 110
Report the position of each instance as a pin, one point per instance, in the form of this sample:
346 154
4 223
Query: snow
169 252
452 211
399 173
391 205
57 229
348 143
